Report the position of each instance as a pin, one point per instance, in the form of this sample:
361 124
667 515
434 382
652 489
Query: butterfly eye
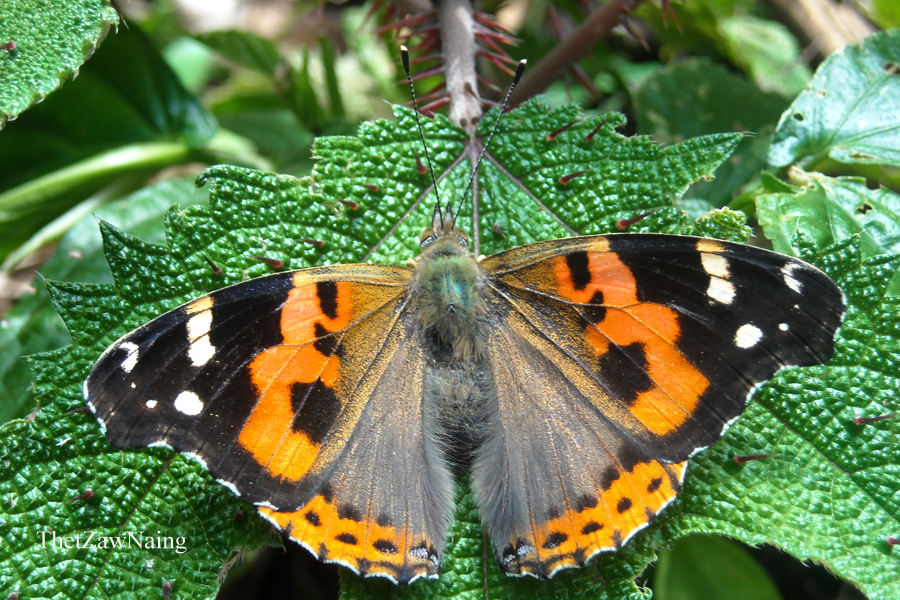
427 238
463 238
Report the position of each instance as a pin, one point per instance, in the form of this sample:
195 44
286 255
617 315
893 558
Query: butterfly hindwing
653 344
302 392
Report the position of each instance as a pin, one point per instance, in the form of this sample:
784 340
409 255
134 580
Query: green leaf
244 48
696 97
848 113
45 44
33 325
884 13
368 200
711 568
131 122
767 52
831 210
272 126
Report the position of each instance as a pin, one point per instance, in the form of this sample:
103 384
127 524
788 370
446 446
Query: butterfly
573 378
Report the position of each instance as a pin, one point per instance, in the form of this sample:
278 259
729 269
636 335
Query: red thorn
85 495
316 243
13 596
552 135
739 460
167 590
119 12
10 45
892 541
428 109
215 269
491 44
624 224
80 409
350 204
497 229
371 187
428 73
489 85
626 23
420 166
565 179
376 6
275 263
596 129
500 65
489 21
668 9
867 420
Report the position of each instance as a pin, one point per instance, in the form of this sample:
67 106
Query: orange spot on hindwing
367 544
298 382
626 502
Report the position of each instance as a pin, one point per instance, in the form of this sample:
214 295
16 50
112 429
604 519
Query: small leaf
767 52
696 97
244 48
832 210
848 113
711 568
45 44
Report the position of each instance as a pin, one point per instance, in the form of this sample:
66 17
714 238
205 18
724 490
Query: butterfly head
443 228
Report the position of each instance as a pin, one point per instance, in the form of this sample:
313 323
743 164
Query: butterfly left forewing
301 392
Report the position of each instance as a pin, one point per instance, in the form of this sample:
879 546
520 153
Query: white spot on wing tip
84 389
721 290
787 273
151 404
784 327
188 403
132 358
747 336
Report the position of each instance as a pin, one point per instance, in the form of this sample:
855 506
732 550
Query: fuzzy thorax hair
448 290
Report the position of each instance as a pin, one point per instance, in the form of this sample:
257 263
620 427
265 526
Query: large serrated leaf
849 111
367 198
43 45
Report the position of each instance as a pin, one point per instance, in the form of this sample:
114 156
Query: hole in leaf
891 68
798 117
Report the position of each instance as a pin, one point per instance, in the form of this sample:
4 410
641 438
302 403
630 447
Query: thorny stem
579 43
458 43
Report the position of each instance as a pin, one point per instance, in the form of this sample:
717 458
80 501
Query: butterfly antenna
404 54
519 71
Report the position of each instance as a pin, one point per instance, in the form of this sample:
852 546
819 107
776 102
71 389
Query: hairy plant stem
576 45
458 46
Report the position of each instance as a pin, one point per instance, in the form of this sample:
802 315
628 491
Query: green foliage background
809 177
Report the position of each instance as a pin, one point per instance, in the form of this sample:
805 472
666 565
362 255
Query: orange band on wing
608 275
296 378
677 384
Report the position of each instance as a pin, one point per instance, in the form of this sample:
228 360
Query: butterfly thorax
448 289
